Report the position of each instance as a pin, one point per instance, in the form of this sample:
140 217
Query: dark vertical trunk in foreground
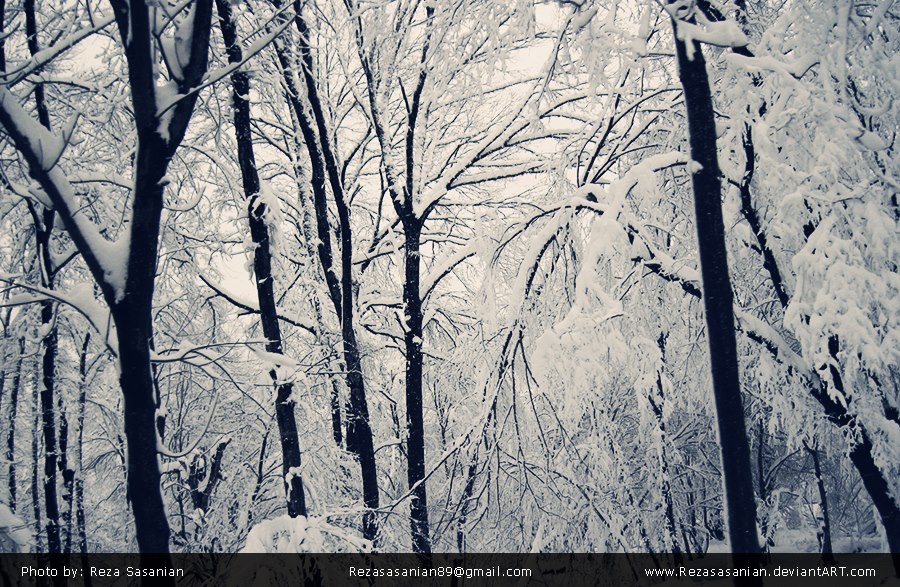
48 426
718 301
412 338
262 266
143 482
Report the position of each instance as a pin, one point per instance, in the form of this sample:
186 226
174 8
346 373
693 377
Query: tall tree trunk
35 459
412 304
68 476
48 426
324 167
415 429
11 431
43 233
79 447
262 266
718 301
359 431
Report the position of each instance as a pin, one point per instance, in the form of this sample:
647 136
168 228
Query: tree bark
79 447
718 301
262 266
11 432
415 429
143 477
35 470
48 427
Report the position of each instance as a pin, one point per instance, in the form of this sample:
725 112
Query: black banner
507 570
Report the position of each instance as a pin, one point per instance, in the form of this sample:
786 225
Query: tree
718 297
262 264
125 270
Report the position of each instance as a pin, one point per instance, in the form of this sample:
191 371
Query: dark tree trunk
262 266
11 432
143 477
48 426
68 475
35 469
718 301
43 231
359 431
337 426
412 338
79 481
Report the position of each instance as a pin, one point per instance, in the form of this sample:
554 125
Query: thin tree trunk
79 447
718 301
11 432
666 488
35 459
48 425
262 266
68 476
43 232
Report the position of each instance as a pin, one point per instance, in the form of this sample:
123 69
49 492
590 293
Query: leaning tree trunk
262 265
718 301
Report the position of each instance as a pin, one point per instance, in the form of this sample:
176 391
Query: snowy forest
449 276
